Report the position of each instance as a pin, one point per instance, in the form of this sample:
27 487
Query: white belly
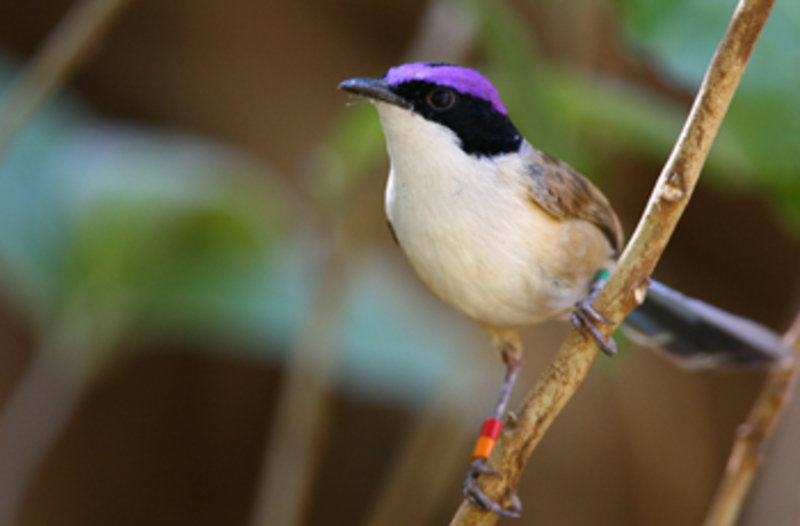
479 242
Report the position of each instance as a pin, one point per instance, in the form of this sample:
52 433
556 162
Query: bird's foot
479 499
584 318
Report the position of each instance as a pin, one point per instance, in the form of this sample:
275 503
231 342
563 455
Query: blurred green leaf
104 225
354 145
763 123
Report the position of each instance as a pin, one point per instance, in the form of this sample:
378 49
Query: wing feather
565 194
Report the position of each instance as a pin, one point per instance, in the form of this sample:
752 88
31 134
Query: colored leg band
601 276
490 432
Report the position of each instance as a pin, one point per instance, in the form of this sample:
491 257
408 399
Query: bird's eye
441 99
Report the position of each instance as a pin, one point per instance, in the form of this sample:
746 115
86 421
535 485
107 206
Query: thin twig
301 421
626 286
430 457
752 436
69 355
34 416
65 48
31 422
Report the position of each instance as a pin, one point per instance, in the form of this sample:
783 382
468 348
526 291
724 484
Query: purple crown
459 78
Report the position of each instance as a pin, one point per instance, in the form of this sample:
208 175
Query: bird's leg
585 316
510 348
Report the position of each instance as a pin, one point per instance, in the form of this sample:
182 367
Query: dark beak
376 89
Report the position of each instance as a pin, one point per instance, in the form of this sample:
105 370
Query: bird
510 236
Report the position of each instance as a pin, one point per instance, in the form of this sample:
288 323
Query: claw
479 499
584 318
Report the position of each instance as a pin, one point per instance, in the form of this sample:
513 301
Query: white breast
473 235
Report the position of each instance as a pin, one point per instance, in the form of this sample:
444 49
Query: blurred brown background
171 436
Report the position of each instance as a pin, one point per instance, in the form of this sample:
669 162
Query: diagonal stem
302 416
752 436
58 58
626 286
31 422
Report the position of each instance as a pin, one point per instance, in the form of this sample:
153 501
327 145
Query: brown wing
565 194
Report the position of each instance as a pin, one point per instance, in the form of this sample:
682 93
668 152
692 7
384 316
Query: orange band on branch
483 447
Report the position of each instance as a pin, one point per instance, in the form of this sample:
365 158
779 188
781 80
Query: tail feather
700 336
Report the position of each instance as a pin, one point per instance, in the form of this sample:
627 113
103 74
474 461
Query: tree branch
752 436
301 420
627 285
32 420
60 55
